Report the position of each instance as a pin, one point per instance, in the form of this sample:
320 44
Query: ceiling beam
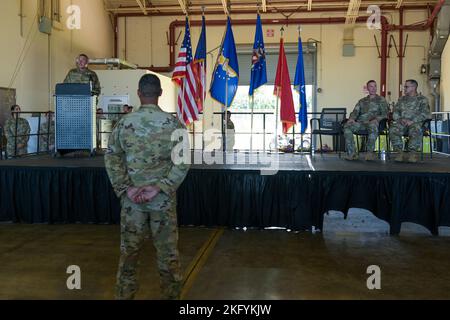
225 5
322 5
183 6
142 6
352 12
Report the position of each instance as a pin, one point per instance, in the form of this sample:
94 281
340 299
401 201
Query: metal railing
43 133
440 132
43 130
264 130
198 136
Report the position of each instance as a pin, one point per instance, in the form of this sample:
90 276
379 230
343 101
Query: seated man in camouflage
409 114
47 134
367 114
17 132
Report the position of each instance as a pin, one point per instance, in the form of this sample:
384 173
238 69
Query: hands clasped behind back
141 195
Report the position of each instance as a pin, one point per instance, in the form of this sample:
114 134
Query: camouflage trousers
44 145
137 222
11 150
354 127
414 133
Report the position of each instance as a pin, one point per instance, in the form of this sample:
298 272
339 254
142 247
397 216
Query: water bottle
383 155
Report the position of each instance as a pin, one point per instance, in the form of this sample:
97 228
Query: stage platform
293 193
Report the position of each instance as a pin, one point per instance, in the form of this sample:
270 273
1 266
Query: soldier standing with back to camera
139 165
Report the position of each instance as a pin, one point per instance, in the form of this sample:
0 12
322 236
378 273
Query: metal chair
329 123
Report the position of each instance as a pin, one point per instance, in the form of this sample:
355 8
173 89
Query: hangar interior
345 43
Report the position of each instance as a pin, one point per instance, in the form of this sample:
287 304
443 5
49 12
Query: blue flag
199 68
299 85
200 53
226 71
258 75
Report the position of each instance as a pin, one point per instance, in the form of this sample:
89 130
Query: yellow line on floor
199 260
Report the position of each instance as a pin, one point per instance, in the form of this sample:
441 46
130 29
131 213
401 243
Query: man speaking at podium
82 74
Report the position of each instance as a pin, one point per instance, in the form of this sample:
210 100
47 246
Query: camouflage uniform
416 109
23 131
230 135
139 154
47 137
78 76
365 110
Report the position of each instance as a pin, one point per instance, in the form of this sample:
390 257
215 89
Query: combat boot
412 157
400 156
351 157
370 156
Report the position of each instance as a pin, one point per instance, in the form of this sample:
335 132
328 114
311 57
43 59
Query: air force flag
226 72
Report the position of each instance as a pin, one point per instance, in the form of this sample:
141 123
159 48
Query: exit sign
270 33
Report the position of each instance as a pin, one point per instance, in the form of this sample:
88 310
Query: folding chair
329 123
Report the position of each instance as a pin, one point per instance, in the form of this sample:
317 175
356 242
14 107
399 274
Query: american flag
183 76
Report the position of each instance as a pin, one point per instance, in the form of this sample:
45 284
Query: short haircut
370 81
14 107
414 82
83 55
150 86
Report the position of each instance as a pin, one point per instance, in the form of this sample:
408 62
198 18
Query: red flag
283 90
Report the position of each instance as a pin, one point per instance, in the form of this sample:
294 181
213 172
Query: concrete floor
234 264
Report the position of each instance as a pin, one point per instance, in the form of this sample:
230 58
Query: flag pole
252 104
251 121
299 28
204 68
278 98
183 101
203 88
225 122
276 121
